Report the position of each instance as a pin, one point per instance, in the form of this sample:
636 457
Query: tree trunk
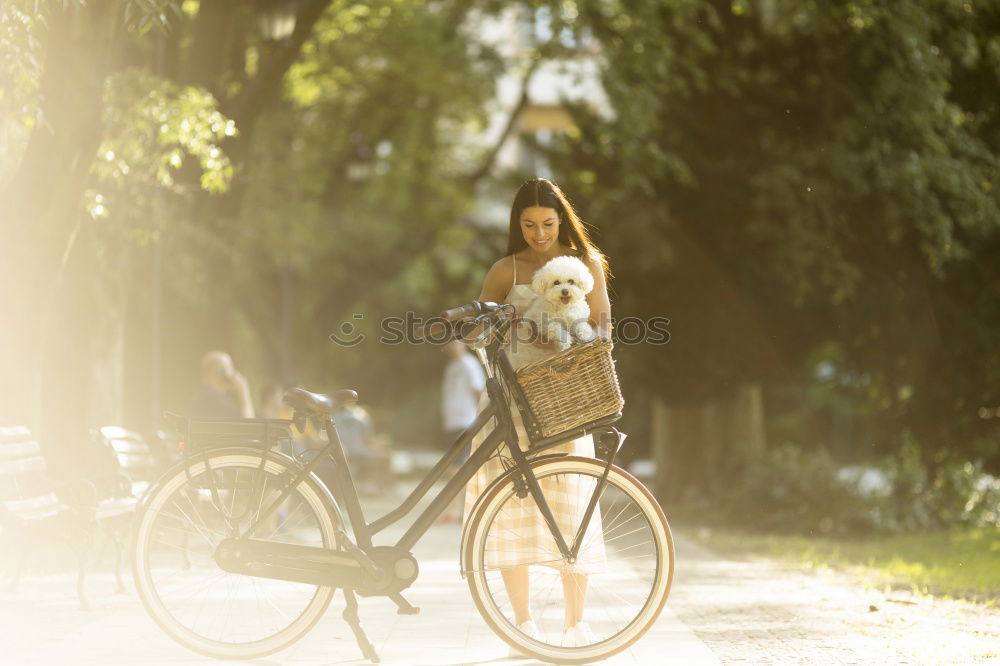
44 203
748 421
660 445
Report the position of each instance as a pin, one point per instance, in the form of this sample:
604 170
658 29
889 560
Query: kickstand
351 617
404 606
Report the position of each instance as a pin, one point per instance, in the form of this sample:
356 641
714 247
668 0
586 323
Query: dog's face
563 281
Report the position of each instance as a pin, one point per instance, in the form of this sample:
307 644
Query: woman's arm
597 299
496 284
498 281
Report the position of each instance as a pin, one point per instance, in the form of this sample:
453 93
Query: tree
784 177
64 62
281 185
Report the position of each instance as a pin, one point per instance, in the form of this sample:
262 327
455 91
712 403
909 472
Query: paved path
720 611
761 612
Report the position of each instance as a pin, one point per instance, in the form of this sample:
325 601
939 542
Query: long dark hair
572 231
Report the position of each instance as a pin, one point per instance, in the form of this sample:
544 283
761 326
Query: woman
543 225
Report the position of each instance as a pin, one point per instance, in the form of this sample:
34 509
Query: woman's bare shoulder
591 260
502 267
498 279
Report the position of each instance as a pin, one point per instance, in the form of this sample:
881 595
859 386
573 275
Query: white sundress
519 535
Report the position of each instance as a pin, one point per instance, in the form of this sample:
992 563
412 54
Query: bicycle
240 528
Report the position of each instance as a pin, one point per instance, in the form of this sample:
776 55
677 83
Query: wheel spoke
619 568
224 614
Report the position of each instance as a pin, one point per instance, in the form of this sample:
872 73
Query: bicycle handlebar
432 329
473 308
446 320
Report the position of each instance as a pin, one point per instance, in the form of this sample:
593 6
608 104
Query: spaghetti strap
514 260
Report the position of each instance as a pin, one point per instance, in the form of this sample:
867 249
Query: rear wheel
620 579
207 609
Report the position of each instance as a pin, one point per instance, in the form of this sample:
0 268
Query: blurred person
461 388
223 391
369 462
272 403
272 406
463 384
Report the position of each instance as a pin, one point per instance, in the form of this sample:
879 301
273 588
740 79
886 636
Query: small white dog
562 313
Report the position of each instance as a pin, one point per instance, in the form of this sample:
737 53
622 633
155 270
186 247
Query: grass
963 564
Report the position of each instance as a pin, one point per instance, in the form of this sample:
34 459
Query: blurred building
530 107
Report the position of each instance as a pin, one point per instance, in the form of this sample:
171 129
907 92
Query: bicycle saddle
318 404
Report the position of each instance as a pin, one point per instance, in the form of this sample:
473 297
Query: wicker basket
571 388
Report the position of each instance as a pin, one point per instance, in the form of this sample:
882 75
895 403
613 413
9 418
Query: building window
538 26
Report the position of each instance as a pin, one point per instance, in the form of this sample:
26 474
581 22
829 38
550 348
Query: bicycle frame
233 466
504 434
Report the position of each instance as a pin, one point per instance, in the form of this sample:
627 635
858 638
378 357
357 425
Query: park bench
37 507
124 466
134 459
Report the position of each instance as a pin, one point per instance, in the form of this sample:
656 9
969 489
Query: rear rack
204 433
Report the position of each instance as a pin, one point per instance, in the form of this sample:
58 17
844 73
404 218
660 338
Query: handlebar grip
473 308
432 328
455 314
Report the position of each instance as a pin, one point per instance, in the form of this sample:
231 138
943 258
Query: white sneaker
529 629
584 635
578 635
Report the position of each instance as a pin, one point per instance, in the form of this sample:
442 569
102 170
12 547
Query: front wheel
188 512
616 587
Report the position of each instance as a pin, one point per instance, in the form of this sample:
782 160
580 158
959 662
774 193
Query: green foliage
958 563
21 57
790 489
787 489
151 125
799 174
20 65
952 493
345 192
142 15
23 26
151 128
779 179
357 182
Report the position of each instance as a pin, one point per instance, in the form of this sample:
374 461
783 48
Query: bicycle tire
623 575
154 556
